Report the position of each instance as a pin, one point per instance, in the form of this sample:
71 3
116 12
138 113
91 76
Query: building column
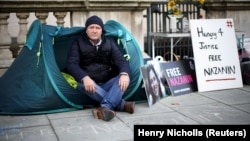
23 27
60 18
5 39
137 28
42 16
4 33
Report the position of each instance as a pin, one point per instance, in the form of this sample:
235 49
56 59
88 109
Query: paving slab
172 118
70 114
90 129
243 107
220 107
23 121
37 133
143 108
30 128
215 113
230 96
186 100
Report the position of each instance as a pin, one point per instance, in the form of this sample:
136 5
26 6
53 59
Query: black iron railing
158 21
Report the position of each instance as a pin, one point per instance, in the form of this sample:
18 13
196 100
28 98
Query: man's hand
124 81
88 84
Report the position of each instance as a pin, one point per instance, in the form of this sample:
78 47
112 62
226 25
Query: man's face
94 32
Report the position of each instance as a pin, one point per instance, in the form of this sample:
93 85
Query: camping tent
35 84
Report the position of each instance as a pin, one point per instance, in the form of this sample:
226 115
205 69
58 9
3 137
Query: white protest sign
215 53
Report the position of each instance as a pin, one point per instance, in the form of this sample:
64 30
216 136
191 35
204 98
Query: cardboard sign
215 53
156 64
180 76
152 84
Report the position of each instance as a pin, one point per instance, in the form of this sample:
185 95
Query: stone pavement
231 106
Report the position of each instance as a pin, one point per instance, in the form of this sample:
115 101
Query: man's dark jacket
100 64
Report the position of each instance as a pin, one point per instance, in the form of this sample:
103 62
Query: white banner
215 53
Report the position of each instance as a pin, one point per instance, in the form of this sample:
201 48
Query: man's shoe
103 113
129 107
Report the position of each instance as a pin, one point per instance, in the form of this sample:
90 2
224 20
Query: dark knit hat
94 20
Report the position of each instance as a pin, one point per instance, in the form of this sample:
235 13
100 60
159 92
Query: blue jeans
108 94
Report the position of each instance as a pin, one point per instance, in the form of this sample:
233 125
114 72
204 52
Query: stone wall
17 15
74 13
236 9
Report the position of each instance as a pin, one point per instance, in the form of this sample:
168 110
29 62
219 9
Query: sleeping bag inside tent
35 83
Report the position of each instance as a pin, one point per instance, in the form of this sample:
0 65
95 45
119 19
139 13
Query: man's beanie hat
94 20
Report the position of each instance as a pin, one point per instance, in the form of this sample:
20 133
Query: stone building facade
17 15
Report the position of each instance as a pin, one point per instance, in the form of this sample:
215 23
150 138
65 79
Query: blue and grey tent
35 84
